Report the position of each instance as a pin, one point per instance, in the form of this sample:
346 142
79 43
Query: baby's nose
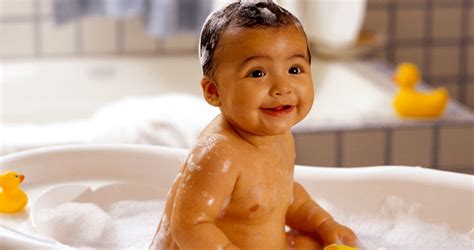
281 89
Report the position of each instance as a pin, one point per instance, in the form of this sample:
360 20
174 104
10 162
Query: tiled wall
447 147
28 30
438 35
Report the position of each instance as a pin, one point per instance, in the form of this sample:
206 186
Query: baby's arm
207 181
305 215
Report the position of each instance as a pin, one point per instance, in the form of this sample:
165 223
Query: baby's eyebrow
304 57
250 58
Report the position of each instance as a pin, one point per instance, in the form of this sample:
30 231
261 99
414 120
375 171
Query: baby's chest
261 193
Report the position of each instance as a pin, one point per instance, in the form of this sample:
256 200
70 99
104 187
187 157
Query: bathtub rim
303 174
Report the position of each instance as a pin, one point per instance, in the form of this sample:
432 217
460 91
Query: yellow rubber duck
12 198
339 247
409 102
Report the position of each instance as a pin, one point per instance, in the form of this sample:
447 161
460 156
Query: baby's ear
210 92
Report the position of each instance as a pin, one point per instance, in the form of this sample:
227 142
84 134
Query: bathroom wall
438 35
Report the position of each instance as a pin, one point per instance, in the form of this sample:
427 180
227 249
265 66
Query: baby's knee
299 241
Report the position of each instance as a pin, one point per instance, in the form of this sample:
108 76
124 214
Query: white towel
171 120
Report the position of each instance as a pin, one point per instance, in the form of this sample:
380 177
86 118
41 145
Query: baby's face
263 78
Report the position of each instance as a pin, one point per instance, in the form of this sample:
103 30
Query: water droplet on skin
224 207
210 202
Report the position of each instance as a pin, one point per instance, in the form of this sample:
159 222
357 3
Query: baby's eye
257 73
295 70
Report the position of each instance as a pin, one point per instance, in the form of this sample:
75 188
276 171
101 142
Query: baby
236 188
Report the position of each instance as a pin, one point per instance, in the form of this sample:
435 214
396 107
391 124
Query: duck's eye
257 73
16 176
294 70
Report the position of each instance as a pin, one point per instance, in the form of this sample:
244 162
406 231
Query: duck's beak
22 177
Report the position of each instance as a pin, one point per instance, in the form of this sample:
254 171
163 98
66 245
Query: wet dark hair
244 14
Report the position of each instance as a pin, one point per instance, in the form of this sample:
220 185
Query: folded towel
168 120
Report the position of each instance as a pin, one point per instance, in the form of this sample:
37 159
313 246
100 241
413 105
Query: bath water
132 224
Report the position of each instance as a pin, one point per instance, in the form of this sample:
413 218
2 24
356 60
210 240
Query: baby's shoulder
215 152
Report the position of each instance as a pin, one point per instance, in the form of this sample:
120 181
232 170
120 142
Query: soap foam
132 224
397 226
125 224
75 224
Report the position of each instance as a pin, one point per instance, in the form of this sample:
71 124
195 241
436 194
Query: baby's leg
296 240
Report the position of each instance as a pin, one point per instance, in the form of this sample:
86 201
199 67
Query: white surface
439 197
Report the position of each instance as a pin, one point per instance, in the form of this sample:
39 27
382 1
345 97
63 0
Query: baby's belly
252 235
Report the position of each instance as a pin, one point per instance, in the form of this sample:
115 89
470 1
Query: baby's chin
276 129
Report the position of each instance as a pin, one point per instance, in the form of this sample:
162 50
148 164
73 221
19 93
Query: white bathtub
443 197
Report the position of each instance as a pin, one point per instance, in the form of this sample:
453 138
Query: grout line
160 46
391 29
435 147
37 31
445 80
427 42
120 36
78 34
16 19
339 142
416 43
462 94
388 146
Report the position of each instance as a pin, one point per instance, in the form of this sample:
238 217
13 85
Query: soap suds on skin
226 166
191 165
160 237
268 14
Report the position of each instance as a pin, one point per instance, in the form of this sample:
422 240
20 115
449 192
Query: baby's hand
332 232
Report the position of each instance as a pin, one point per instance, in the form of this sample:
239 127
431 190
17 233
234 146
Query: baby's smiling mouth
278 110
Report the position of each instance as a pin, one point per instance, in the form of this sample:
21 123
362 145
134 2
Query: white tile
363 148
413 55
410 24
180 43
46 7
136 38
57 39
16 8
456 147
99 35
316 149
446 22
445 61
16 39
412 147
